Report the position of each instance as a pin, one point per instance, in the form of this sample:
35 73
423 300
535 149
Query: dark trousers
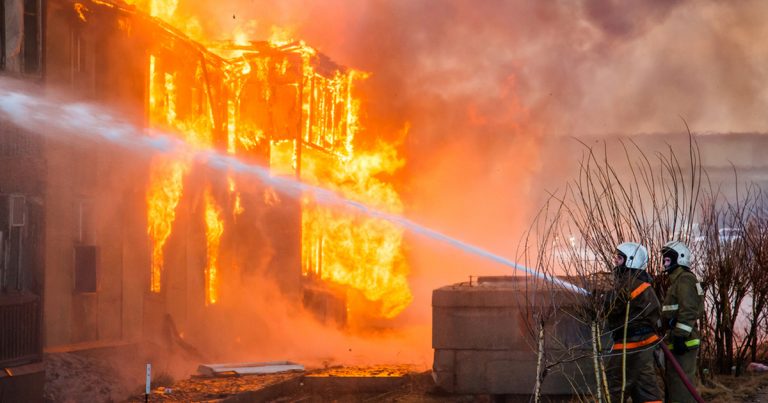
640 372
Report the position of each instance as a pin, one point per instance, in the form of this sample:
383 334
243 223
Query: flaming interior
290 107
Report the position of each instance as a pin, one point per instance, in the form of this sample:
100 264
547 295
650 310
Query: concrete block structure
484 337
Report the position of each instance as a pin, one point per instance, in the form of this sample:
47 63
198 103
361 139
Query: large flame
361 253
214 228
163 195
166 181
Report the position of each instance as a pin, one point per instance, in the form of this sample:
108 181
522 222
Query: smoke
581 67
267 326
480 84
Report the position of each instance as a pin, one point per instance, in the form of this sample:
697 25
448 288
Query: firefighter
683 305
633 317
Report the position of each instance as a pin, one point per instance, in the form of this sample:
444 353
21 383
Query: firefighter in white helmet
633 316
683 305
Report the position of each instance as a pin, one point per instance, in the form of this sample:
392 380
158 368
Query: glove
678 345
668 325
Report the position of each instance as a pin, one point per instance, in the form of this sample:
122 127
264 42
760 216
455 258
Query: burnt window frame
32 50
2 36
32 44
85 278
12 264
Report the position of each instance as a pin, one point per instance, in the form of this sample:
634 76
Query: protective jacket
683 305
633 306
633 287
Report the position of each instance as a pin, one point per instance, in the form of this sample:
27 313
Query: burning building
104 245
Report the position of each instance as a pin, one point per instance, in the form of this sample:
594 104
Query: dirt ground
417 387
93 377
745 388
72 377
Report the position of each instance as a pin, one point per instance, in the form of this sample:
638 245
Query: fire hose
670 358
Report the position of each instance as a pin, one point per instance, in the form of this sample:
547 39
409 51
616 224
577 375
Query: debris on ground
248 368
366 371
335 384
203 389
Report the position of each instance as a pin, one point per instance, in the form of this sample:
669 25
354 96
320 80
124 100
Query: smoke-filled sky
477 84
579 66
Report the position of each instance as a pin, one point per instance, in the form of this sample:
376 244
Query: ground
746 388
96 377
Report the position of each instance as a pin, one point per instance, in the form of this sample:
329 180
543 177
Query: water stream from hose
50 116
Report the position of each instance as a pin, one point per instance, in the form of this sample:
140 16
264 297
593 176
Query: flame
81 9
163 196
237 208
163 9
361 253
165 187
214 228
166 10
241 37
280 36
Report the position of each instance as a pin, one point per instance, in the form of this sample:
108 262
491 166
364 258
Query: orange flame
163 196
237 208
166 10
81 9
280 36
167 173
361 253
214 228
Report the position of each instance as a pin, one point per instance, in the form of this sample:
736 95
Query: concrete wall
483 337
92 189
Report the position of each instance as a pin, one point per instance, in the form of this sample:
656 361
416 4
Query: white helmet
636 256
681 253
